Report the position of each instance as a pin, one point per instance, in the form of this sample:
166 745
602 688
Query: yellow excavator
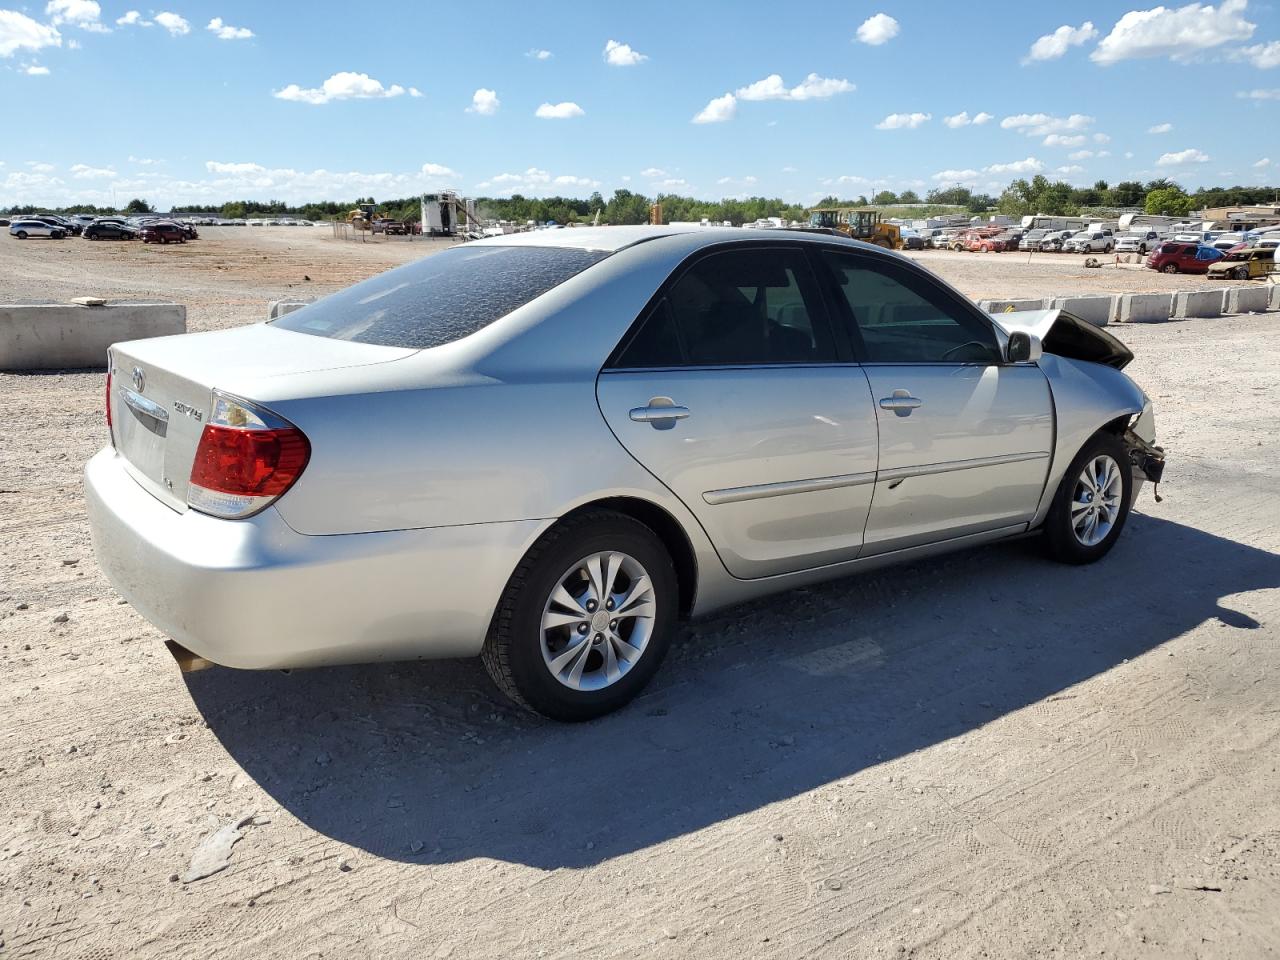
859 223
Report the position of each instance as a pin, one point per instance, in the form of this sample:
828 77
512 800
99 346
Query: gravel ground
985 755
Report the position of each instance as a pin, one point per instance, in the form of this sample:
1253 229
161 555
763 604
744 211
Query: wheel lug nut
591 606
582 628
599 638
608 605
613 624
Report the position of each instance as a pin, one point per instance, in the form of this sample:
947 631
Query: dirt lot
982 756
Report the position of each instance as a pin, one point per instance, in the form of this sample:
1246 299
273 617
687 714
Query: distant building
1243 218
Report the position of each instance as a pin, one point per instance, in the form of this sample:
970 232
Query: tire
1169 268
1083 525
21 234
525 655
1240 273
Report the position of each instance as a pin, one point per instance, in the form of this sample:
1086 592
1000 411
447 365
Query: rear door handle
661 413
901 403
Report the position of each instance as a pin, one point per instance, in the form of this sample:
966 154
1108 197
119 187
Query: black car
62 223
109 230
162 231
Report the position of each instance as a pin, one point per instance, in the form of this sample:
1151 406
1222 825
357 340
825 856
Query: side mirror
1023 348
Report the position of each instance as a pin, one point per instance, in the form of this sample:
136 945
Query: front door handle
661 413
901 403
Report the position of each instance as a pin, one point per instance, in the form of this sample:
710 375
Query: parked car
162 231
1011 237
911 240
1253 263
1053 240
980 240
24 229
189 231
1177 257
1137 242
1031 239
1090 241
110 230
376 483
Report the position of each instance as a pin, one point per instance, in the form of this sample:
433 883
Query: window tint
440 298
735 307
900 317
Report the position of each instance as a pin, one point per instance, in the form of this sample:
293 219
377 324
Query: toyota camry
547 449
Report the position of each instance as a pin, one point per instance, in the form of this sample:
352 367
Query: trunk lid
161 391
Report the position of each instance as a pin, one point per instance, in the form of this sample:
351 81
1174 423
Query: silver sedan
547 449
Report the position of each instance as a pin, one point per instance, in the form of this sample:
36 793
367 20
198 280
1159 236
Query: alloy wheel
1095 502
598 621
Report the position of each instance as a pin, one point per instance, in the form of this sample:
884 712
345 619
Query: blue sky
213 101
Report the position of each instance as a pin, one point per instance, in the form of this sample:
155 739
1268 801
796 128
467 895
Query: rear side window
441 298
734 308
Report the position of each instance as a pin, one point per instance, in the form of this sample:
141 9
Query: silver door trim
761 491
930 469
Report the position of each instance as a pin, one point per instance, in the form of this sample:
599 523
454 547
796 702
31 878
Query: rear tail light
110 427
247 458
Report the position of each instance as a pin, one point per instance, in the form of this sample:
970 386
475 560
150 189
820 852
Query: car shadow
424 762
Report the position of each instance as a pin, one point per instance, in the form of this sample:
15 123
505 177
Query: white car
1140 242
23 229
1090 241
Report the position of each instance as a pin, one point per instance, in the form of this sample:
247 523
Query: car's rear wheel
21 234
585 619
1240 273
1169 268
1092 502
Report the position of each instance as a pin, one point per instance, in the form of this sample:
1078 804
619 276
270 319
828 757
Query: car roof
612 239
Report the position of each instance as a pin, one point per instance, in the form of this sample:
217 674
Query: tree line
1021 197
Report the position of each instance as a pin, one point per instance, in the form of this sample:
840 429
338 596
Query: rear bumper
255 594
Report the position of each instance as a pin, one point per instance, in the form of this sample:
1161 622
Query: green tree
884 198
1127 193
137 205
1169 201
908 196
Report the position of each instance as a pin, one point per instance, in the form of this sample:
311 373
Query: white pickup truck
1090 241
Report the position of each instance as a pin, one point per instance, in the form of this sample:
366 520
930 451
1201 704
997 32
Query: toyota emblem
139 380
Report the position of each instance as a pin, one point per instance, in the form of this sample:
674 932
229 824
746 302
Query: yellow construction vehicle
859 223
361 218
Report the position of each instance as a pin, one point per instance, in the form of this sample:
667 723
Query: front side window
756 306
440 298
900 317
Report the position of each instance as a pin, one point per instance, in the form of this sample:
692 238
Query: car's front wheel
1169 268
585 619
1092 502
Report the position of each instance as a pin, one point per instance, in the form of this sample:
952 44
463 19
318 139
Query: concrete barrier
1144 307
1246 299
278 308
1005 306
1274 290
51 336
1197 303
1098 310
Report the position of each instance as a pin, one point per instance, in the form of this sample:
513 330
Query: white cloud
20 32
559 111
790 170
415 92
813 87
173 23
957 176
718 110
35 70
224 31
1042 124
132 19
673 184
536 54
1160 128
1029 165
1264 56
341 86
40 167
484 102
653 172
1053 45
878 29
1068 170
622 55
1059 140
534 181
962 119
1264 162
1272 94
1080 155
144 161
84 172
1178 33
79 13
1190 155
903 121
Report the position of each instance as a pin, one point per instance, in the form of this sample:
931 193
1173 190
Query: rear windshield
440 298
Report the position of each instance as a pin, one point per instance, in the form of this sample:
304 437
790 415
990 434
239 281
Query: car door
965 438
730 392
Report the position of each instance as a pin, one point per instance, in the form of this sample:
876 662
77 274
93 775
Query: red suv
1179 257
163 232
